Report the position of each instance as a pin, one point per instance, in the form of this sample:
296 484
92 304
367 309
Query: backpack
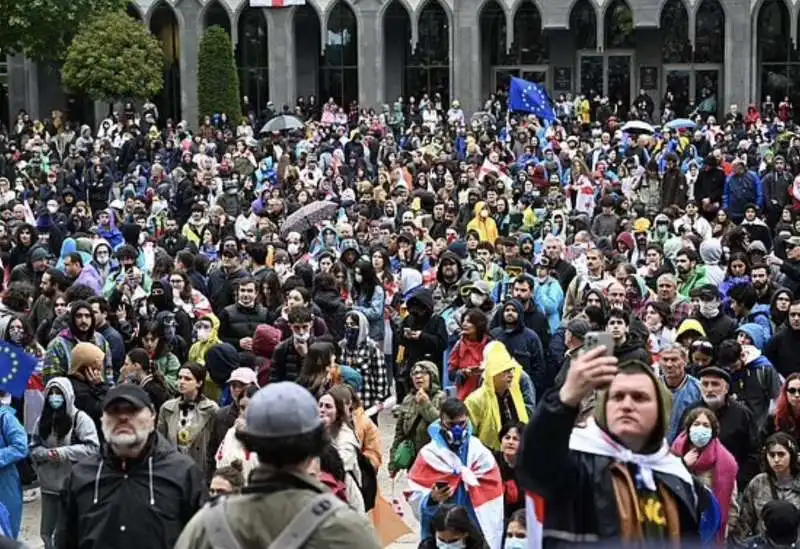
369 481
293 536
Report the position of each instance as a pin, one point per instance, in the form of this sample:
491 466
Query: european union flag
16 367
530 97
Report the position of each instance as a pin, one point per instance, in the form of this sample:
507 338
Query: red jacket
466 354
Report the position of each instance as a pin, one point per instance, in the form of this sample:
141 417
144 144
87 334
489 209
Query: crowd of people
583 330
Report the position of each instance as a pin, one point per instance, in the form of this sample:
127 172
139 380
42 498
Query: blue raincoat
13 449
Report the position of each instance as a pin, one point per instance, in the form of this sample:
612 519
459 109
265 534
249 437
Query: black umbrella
282 122
309 215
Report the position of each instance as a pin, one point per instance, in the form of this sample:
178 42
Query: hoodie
756 384
523 344
79 442
711 254
265 339
365 357
485 404
485 227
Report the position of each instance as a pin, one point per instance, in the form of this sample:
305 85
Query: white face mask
203 334
709 309
476 299
52 209
516 543
293 248
458 544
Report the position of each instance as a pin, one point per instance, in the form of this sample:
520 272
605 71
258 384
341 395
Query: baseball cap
243 375
281 410
706 292
579 327
130 393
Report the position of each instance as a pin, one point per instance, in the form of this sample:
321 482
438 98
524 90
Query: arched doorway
428 69
529 55
676 54
397 49
778 61
216 15
252 56
709 53
164 26
583 27
338 67
307 50
133 11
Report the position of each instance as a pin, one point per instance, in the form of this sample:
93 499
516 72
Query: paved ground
30 522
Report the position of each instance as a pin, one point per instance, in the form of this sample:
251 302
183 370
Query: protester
510 437
452 527
230 452
337 419
14 450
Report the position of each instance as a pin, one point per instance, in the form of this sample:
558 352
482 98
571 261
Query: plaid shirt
681 310
367 359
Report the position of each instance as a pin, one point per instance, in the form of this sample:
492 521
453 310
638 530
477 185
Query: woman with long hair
510 437
227 480
192 302
368 298
705 456
467 354
319 371
139 369
738 272
186 421
63 435
154 342
336 417
786 416
658 319
231 449
270 295
452 527
780 480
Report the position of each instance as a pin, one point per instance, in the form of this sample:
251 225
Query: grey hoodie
80 442
711 254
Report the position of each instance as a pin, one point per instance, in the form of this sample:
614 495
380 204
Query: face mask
476 299
203 334
55 401
456 435
458 544
293 249
281 268
358 278
661 229
516 543
709 309
351 335
52 209
700 435
302 338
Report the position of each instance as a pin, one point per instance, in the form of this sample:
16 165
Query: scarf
717 459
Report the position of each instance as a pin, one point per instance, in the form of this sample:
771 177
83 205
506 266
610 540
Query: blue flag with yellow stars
530 97
16 367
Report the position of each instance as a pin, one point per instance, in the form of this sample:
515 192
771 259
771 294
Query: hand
53 455
440 496
93 376
691 457
414 334
774 260
587 373
421 397
246 343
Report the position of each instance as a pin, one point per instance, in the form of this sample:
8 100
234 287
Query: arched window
675 32
777 59
583 25
618 25
216 15
530 46
709 41
338 71
252 54
397 48
428 70
164 26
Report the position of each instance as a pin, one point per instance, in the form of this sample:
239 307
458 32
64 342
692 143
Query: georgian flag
499 171
534 517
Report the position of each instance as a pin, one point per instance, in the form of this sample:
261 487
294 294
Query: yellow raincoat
198 351
486 228
484 411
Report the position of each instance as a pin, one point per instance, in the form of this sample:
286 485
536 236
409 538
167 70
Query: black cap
706 292
781 520
130 393
715 371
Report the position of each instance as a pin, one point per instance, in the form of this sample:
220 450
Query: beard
123 443
714 402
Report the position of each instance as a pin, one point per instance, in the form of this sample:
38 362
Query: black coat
223 419
220 288
782 351
145 504
719 328
432 342
577 486
237 322
89 399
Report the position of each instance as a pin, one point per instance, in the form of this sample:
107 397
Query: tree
217 79
114 57
43 29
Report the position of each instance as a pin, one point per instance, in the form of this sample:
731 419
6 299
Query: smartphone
441 485
597 339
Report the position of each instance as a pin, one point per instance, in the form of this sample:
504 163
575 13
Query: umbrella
281 123
309 215
637 126
484 117
681 124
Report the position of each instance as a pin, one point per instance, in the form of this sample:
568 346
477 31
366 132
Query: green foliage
43 29
217 78
114 57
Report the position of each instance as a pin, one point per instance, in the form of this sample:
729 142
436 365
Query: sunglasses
794 391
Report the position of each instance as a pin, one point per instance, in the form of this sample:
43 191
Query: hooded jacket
524 345
80 442
265 340
145 502
486 228
58 357
483 404
579 487
432 341
756 384
366 357
446 294
410 410
711 254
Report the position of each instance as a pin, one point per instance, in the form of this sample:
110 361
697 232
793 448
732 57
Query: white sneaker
31 495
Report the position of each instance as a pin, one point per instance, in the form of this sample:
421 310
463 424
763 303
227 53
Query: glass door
678 80
590 75
706 89
536 73
501 77
619 79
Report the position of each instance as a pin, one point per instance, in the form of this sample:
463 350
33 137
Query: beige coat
197 433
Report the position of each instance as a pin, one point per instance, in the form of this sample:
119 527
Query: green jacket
697 279
256 519
409 410
169 366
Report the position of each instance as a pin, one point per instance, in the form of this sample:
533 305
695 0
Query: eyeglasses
794 391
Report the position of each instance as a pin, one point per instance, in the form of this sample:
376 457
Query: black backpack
369 481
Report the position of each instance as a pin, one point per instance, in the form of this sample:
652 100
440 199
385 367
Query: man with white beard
139 492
